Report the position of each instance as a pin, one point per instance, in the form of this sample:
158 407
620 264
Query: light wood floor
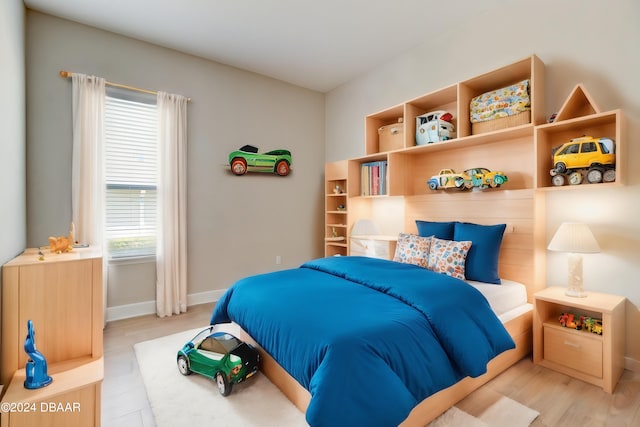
561 400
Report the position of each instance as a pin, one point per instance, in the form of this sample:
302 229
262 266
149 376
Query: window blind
131 175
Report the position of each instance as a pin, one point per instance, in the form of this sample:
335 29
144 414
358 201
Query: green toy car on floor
247 159
219 356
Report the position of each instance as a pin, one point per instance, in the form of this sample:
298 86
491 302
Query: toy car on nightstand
219 356
247 159
594 155
448 178
483 178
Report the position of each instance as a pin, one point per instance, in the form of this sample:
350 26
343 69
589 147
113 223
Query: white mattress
502 298
512 314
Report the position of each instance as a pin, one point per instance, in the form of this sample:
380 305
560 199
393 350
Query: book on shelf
373 178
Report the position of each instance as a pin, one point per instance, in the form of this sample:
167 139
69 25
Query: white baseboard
204 297
149 307
632 365
130 310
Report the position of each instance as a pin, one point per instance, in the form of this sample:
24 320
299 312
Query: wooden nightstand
593 358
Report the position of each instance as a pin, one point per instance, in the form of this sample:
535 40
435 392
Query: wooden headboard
522 250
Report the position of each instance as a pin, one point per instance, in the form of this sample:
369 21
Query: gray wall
236 225
12 123
580 41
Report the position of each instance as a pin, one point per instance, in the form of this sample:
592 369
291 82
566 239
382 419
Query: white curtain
87 183
171 251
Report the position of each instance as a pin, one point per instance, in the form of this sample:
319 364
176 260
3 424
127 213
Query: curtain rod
67 74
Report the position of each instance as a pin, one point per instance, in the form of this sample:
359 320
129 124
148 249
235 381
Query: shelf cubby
375 121
411 169
444 99
355 174
531 68
551 135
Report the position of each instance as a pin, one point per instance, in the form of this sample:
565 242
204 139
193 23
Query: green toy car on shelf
471 178
247 159
219 356
484 178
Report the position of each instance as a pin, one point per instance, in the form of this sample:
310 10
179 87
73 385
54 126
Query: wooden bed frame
521 259
427 410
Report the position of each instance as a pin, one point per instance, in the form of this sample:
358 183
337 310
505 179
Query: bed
349 343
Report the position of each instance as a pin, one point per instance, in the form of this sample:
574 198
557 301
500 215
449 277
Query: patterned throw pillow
448 257
412 249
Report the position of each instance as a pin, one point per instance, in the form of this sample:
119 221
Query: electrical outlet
278 260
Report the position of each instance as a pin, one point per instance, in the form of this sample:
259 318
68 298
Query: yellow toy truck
593 156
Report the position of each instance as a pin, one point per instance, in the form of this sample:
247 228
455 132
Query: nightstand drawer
374 246
575 350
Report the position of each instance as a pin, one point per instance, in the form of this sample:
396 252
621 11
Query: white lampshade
575 238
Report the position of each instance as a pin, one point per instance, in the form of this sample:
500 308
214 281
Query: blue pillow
442 230
482 259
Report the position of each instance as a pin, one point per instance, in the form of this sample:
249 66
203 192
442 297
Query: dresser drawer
372 247
575 350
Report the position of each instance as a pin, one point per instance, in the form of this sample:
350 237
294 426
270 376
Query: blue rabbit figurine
36 368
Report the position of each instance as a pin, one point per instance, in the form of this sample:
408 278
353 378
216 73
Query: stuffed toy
61 244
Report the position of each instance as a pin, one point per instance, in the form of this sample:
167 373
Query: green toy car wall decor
219 356
247 159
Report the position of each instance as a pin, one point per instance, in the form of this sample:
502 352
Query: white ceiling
317 44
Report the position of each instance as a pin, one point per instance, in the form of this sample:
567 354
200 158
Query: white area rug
504 412
194 400
508 413
178 400
454 417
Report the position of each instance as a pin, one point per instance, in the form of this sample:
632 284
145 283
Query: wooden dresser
63 295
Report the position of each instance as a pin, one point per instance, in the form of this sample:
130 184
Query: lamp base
576 293
574 282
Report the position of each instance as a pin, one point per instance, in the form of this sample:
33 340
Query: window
131 173
570 149
589 147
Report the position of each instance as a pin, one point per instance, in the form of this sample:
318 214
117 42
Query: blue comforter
368 338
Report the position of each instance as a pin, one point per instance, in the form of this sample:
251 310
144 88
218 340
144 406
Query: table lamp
574 238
